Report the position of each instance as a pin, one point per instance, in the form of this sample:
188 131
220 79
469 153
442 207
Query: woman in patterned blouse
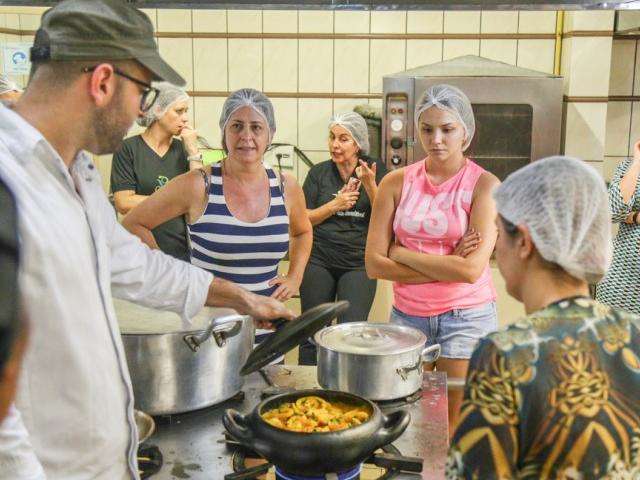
620 287
557 394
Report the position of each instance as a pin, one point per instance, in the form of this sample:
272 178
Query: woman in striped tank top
243 217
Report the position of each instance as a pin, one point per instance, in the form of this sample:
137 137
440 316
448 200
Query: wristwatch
195 158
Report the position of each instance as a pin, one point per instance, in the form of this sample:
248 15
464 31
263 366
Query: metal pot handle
393 425
236 425
220 328
429 351
404 371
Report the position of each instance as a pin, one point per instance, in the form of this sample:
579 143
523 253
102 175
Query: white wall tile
280 65
313 21
598 166
286 110
423 52
537 22
210 21
590 66
207 115
245 63
425 22
376 102
341 105
586 130
622 67
279 21
315 157
315 66
461 22
582 20
178 52
636 82
387 56
458 48
500 50
536 54
174 20
244 21
618 128
610 165
351 73
352 22
29 22
12 20
499 22
210 68
627 19
313 116
388 21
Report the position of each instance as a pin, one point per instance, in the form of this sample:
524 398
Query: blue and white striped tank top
244 253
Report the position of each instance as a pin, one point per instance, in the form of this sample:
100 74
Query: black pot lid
291 334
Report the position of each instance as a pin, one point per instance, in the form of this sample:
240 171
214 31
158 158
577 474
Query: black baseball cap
76 30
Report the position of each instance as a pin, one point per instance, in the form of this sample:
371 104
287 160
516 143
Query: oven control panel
396 114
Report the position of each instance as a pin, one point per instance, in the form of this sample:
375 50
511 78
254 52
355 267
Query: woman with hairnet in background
146 162
432 233
556 394
339 194
242 215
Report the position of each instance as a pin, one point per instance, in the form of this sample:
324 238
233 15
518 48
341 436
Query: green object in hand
212 156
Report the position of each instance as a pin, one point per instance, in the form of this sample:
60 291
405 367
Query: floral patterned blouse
556 395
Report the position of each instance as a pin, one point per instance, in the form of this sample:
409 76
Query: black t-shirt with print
340 240
137 167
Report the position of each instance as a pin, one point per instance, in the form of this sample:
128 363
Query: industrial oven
518 112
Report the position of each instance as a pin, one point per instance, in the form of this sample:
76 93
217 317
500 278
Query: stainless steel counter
190 442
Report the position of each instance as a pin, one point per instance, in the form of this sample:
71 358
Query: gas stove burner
388 405
149 461
247 465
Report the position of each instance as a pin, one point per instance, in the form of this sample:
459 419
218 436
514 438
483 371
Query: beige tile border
338 36
364 96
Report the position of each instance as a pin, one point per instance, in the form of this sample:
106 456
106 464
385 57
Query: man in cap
92 64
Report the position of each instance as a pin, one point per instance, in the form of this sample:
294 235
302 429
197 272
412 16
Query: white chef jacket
73 415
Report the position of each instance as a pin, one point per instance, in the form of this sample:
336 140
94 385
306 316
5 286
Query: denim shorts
457 331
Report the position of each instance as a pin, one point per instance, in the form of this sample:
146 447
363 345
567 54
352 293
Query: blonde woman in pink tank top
432 232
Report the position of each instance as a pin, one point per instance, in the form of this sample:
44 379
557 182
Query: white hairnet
453 100
7 85
168 95
563 203
248 97
357 127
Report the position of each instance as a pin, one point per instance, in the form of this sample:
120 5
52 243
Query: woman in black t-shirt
146 162
339 194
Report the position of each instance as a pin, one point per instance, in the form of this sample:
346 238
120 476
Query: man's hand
223 293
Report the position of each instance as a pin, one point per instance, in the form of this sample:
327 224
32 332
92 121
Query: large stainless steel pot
174 369
378 361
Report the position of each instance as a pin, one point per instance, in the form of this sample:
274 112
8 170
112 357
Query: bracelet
195 158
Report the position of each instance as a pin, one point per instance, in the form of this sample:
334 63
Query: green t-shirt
137 167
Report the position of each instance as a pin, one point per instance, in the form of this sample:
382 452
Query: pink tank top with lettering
432 219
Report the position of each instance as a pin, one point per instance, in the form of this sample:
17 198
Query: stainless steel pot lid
370 338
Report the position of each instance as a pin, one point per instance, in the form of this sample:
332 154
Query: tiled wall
585 67
321 65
